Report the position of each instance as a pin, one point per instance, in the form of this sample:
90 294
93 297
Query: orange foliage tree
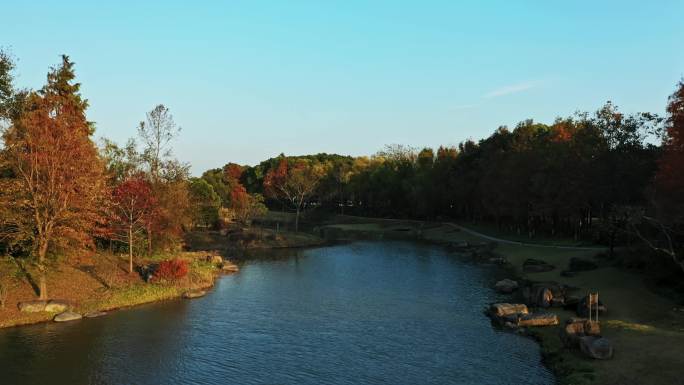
59 176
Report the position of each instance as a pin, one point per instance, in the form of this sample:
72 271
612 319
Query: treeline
60 193
605 175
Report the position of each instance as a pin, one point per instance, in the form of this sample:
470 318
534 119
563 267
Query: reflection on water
361 313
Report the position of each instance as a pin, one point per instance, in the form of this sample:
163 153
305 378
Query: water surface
361 313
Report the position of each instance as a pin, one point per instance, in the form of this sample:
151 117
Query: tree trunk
297 221
130 249
42 280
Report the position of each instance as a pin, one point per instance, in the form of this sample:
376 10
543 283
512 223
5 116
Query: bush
172 269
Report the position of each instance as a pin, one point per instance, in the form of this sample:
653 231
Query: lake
359 313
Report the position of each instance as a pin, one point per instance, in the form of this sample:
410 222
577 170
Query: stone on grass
67 316
596 347
195 293
498 260
57 306
507 309
575 328
581 264
544 294
506 286
538 319
32 306
536 266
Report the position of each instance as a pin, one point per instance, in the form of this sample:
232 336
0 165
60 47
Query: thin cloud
464 106
511 89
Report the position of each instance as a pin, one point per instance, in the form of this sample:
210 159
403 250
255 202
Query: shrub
172 269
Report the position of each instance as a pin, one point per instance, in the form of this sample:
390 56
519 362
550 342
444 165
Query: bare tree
156 133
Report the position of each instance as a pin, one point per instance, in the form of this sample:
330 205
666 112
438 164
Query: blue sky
250 79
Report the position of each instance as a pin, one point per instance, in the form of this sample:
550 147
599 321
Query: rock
196 293
507 309
67 316
214 259
581 264
506 286
583 308
568 273
596 347
57 306
32 306
544 294
498 260
95 314
536 266
538 319
575 328
229 267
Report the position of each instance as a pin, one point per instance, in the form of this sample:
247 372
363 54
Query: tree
156 133
133 208
59 175
206 202
294 184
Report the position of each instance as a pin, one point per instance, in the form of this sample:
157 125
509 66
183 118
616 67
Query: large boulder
596 347
57 306
576 328
506 286
507 309
538 319
581 264
196 293
32 306
583 308
536 266
544 294
67 316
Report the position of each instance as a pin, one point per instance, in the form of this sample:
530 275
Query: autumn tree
206 202
133 207
294 183
59 178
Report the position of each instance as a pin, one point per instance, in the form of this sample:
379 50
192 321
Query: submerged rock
67 316
196 293
596 347
506 286
32 306
57 306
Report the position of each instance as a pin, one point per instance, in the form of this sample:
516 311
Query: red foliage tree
133 209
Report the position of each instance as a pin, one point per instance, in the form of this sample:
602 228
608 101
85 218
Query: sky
248 80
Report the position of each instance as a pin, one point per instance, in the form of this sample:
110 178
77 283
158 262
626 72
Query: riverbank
99 283
645 328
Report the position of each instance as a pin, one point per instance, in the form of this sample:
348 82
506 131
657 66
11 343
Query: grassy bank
646 329
98 282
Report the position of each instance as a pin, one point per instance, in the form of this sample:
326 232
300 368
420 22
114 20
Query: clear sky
248 80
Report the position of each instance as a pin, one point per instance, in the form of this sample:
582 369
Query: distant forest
605 176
